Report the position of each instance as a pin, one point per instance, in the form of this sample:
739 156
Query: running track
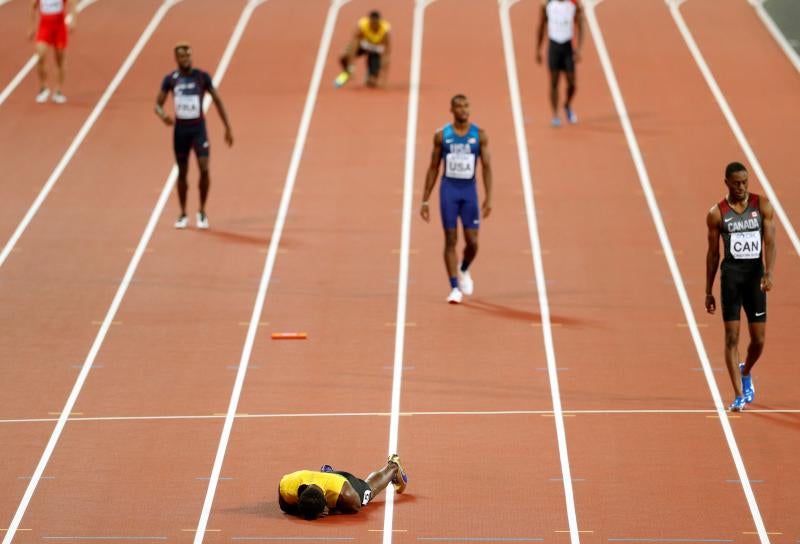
314 189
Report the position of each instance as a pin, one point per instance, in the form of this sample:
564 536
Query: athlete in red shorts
52 31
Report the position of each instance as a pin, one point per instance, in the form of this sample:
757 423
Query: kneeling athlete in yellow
311 494
372 39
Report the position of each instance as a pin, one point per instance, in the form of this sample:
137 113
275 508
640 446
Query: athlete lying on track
312 494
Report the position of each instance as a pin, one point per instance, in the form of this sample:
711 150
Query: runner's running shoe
747 385
465 282
202 220
326 468
571 117
555 121
738 404
58 98
400 480
43 95
181 222
455 296
341 79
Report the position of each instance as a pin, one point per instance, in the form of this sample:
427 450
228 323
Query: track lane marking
86 127
127 278
272 253
727 112
538 265
412 118
677 278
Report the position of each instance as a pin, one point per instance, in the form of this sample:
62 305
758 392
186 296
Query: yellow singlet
372 40
331 484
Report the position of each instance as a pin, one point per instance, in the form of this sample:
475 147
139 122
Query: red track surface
621 341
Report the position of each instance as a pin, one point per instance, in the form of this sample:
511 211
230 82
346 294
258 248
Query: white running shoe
465 282
455 296
181 222
58 98
202 220
43 95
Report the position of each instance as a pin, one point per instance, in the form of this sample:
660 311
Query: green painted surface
786 14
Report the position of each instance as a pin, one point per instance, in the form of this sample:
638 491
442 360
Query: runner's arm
579 28
159 109
768 216
540 32
387 57
712 256
72 14
486 167
222 114
430 176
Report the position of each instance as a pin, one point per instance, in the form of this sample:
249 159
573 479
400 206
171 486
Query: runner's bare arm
159 109
223 115
486 168
34 19
712 256
72 13
430 176
540 32
768 217
579 28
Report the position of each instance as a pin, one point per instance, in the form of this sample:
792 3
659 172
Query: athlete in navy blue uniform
188 86
745 222
459 146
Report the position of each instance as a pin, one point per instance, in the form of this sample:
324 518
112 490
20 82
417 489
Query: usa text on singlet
460 153
560 19
741 234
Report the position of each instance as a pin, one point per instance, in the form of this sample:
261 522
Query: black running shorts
740 288
361 487
187 137
560 57
373 61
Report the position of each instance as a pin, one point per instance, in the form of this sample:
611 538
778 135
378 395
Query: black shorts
373 61
560 57
361 487
187 137
743 288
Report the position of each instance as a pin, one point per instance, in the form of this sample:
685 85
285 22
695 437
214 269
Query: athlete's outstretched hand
168 120
766 283
711 304
228 137
425 212
486 209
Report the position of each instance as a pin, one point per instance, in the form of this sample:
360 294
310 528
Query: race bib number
50 7
187 106
746 245
460 166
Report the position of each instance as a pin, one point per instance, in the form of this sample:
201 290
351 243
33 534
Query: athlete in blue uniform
459 145
745 222
188 86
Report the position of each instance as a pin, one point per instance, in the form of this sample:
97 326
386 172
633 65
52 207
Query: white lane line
4 2
87 126
669 255
386 414
734 124
538 265
405 243
25 70
272 253
776 33
120 294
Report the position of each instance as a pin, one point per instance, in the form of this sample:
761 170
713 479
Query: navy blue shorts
459 199
188 137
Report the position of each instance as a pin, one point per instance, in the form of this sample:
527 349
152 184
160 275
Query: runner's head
183 55
311 502
736 180
459 107
374 20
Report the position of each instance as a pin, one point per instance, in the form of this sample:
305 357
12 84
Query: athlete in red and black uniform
745 223
53 24
188 86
